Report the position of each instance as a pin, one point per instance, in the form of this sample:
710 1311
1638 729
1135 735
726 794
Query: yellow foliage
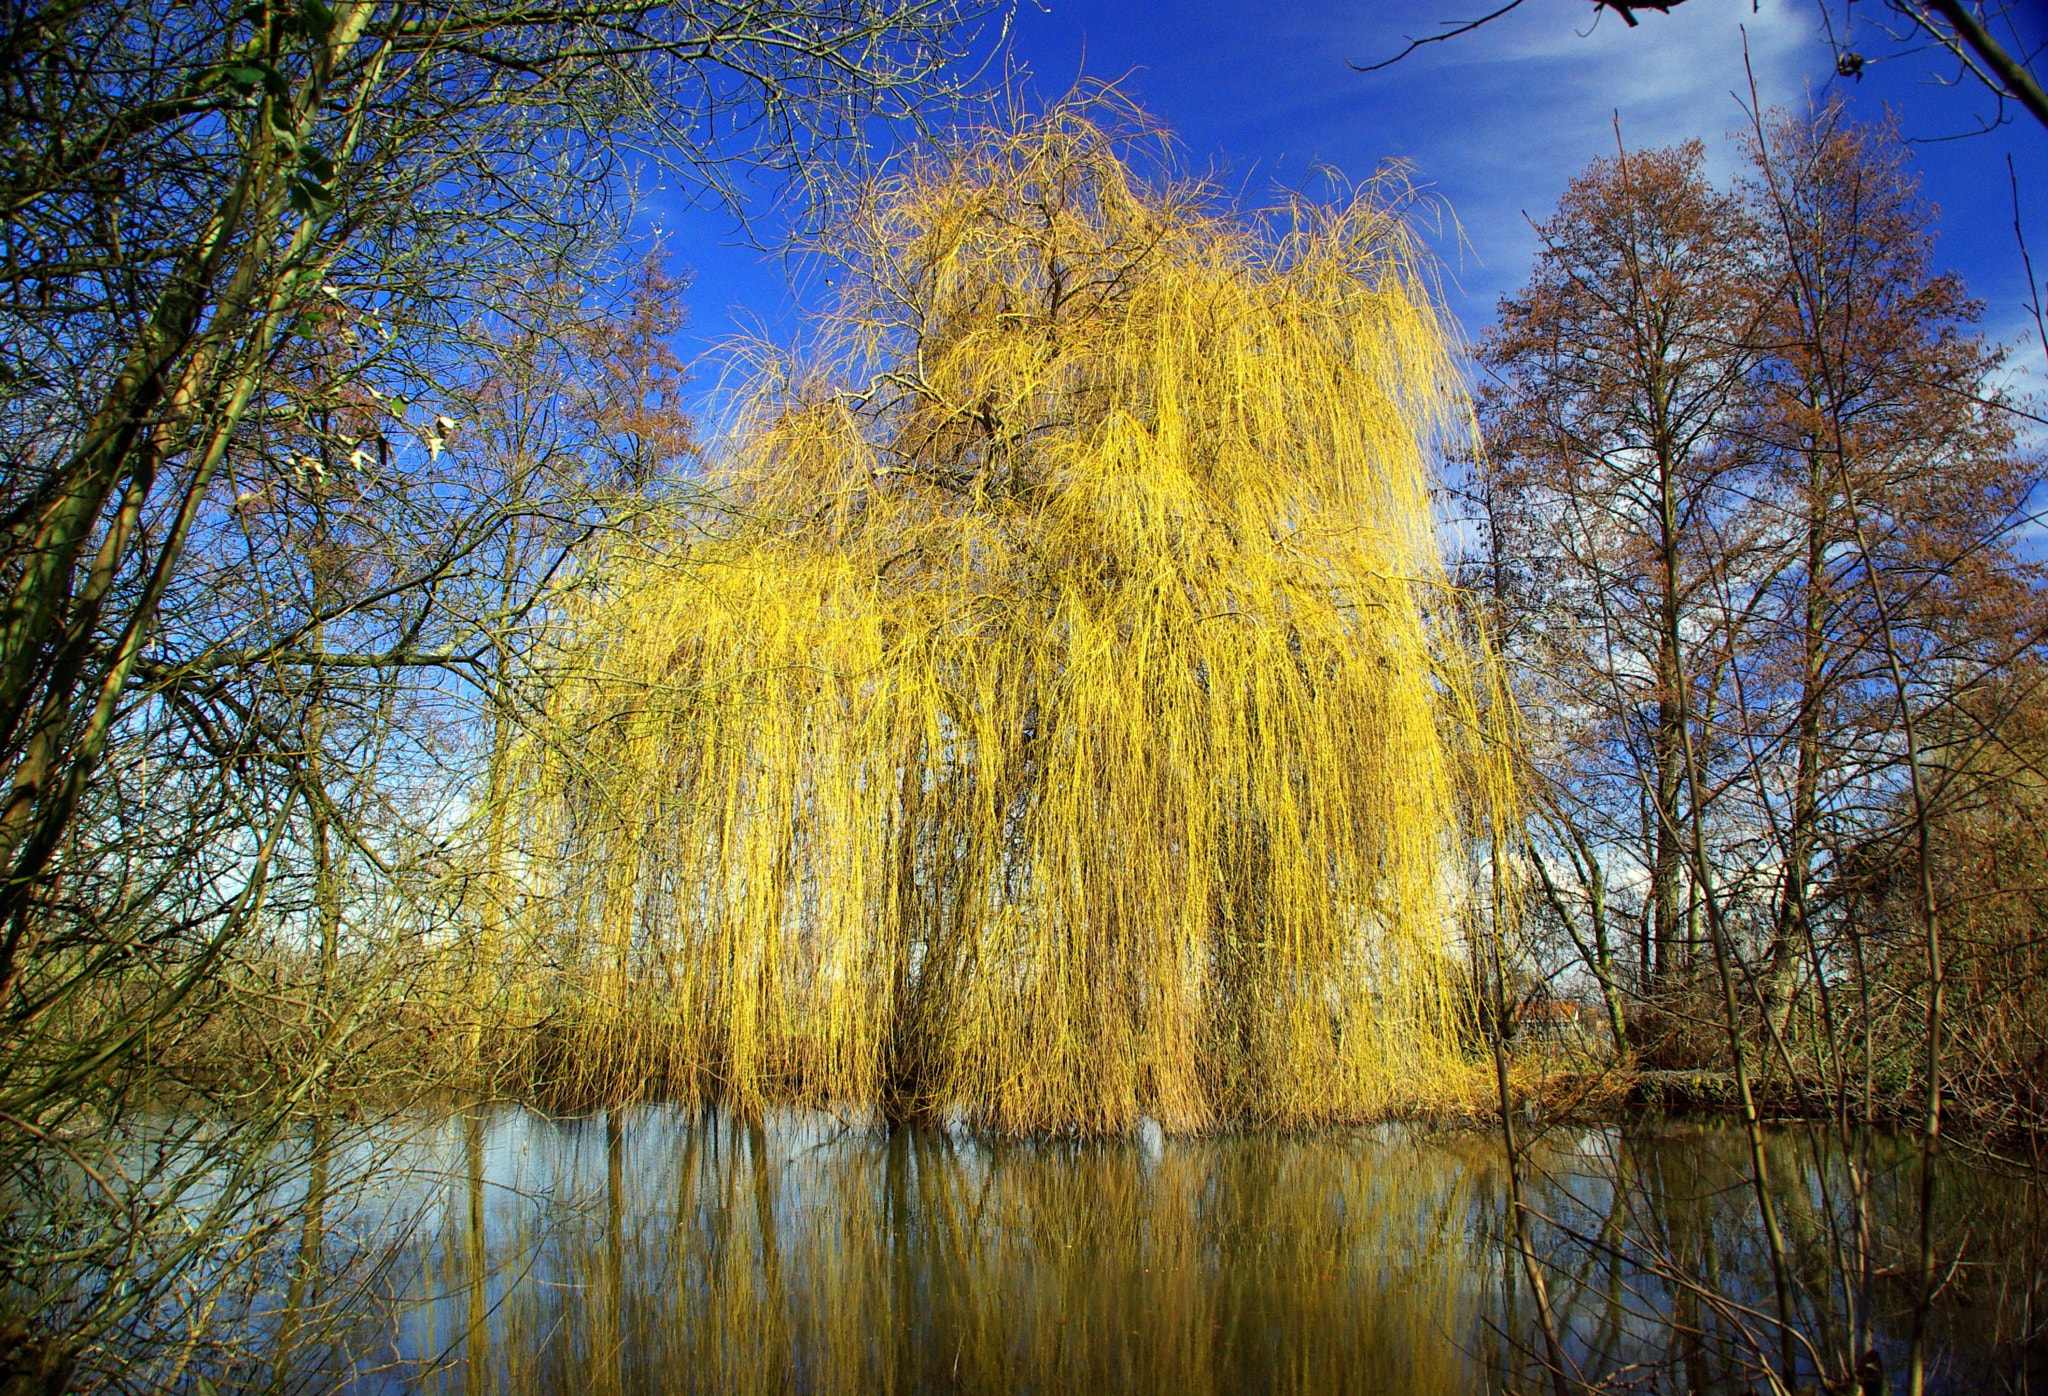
1078 726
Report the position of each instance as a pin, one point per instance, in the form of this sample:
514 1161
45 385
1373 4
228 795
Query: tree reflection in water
657 1251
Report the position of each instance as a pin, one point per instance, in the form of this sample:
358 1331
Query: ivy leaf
248 75
316 21
311 197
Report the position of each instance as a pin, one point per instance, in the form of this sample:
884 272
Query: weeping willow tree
1077 728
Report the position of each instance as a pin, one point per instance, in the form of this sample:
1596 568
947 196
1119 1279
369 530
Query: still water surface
655 1250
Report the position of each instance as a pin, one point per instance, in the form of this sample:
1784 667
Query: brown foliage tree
1751 522
1894 464
1618 486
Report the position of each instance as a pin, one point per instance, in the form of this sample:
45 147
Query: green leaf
310 197
316 164
316 21
248 75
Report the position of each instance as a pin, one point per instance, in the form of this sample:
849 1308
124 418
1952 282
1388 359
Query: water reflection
658 1251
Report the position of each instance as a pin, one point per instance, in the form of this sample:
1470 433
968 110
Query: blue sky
1495 122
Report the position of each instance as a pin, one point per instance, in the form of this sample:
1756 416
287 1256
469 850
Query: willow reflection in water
652 1251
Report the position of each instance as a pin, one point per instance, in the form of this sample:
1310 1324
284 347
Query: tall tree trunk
1667 897
1793 930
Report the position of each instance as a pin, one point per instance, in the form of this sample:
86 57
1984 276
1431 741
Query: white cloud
1498 120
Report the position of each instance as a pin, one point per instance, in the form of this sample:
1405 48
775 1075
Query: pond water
656 1250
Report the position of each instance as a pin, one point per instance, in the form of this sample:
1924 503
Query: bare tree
244 254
